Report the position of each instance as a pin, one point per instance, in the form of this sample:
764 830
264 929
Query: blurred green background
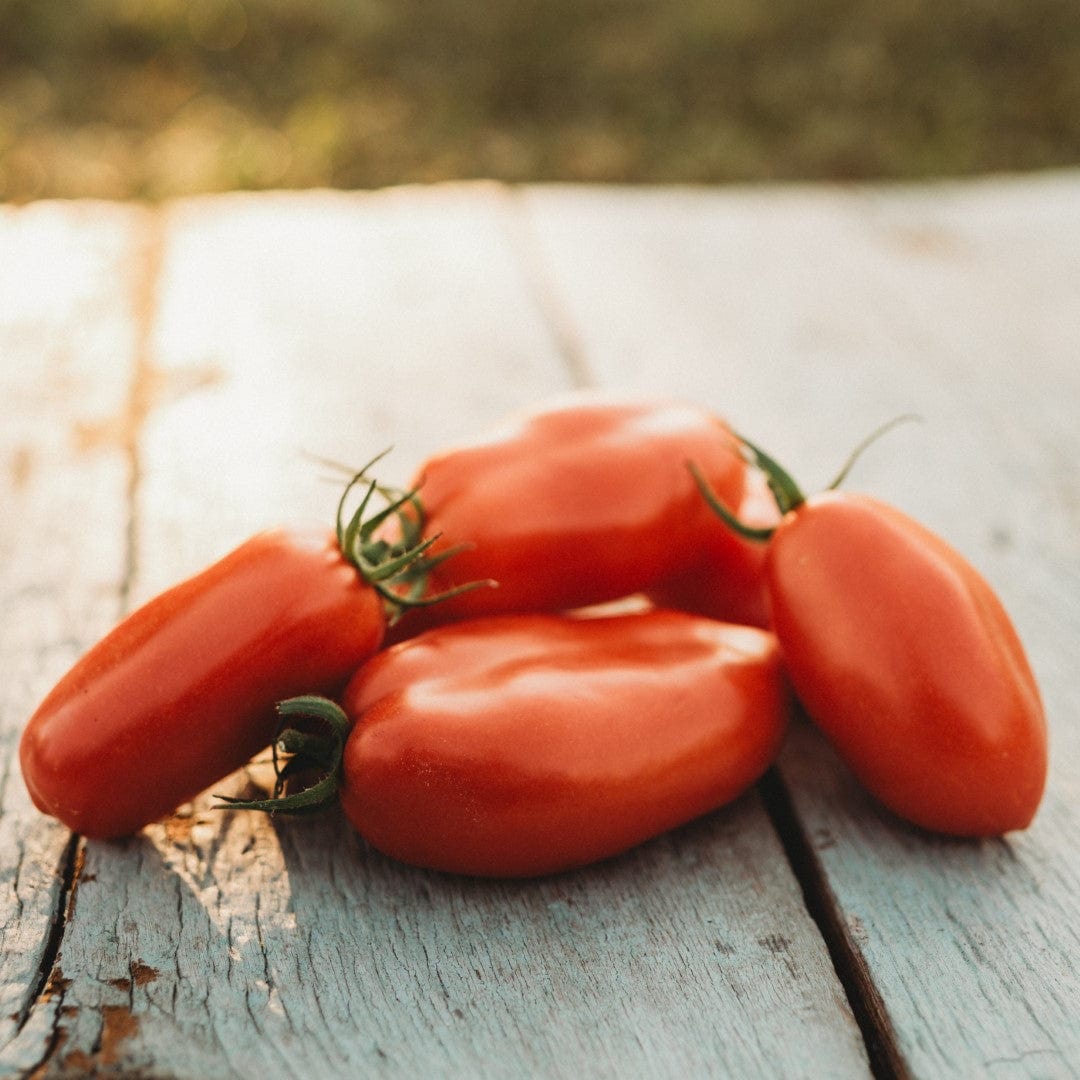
154 98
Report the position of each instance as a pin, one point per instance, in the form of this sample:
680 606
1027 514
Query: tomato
579 502
522 745
728 580
182 692
904 656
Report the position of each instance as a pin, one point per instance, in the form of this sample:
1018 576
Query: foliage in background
152 98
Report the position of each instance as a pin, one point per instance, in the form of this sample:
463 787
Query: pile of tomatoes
442 662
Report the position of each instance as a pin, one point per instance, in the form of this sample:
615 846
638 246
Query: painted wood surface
167 376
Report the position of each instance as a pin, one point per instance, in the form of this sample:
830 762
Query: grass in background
153 98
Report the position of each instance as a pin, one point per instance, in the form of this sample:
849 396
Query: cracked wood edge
68 336
808 315
240 945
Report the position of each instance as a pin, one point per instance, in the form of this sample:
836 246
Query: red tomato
577 503
524 745
182 692
906 659
728 581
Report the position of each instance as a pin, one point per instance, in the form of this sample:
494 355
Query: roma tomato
580 502
522 745
728 580
182 692
904 656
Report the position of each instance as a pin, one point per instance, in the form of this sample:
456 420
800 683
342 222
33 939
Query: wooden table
165 376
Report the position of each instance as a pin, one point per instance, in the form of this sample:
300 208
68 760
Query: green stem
748 532
784 490
298 750
398 570
868 441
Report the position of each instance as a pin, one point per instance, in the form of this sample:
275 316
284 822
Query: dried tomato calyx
397 570
785 490
310 740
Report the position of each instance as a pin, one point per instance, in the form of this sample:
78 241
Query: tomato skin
728 580
182 692
904 656
523 745
579 502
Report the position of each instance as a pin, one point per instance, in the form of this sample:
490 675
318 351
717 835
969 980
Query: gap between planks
886 1061
553 314
150 255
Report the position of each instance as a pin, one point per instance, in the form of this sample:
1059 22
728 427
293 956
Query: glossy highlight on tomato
182 692
522 745
908 662
906 659
581 501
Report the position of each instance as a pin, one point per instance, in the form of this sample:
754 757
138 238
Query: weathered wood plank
69 331
331 326
304 953
991 927
214 946
809 316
